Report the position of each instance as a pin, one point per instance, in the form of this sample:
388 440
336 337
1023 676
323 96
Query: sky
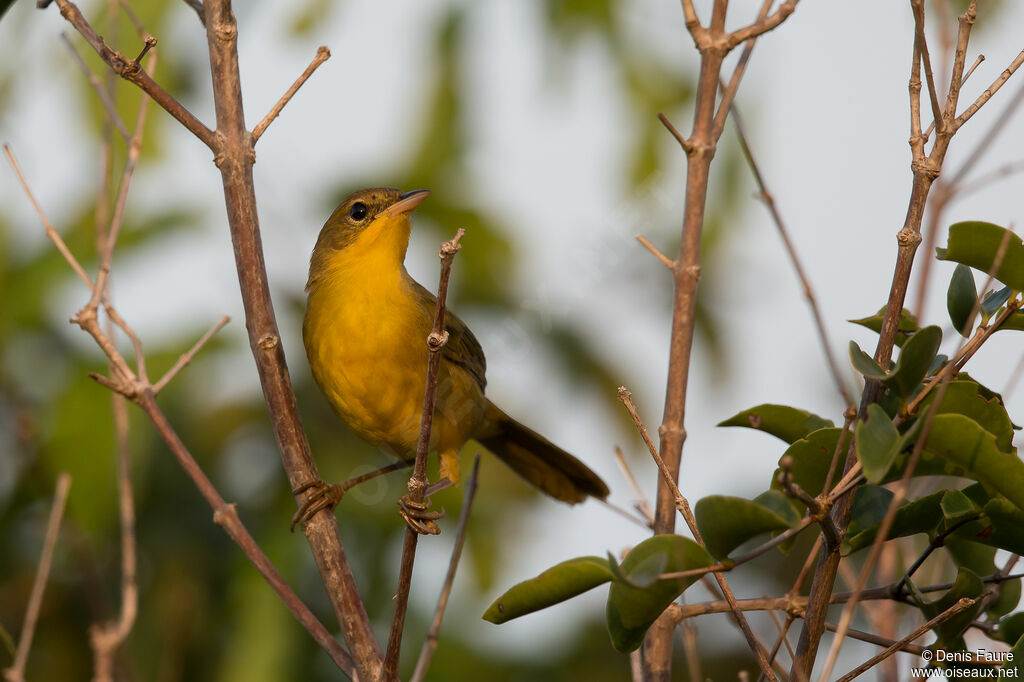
826 108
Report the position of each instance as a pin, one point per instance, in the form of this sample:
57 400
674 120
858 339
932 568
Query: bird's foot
326 496
417 516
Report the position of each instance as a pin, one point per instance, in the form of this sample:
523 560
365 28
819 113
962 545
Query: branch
430 642
322 55
234 158
812 301
131 71
97 84
16 673
138 389
684 509
418 483
187 357
665 260
989 91
960 606
763 26
922 42
640 504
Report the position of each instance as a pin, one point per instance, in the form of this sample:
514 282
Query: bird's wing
462 349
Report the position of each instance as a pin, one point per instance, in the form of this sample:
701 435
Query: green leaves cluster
952 426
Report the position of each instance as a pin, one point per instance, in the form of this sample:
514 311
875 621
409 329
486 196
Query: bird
365 333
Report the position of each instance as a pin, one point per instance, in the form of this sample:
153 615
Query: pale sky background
826 106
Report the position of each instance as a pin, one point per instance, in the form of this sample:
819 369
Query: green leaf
919 516
812 457
870 503
728 522
915 360
907 326
965 396
1011 628
967 585
558 583
961 299
779 503
877 443
994 300
963 442
631 611
956 506
1015 659
1014 322
788 423
977 244
864 363
643 574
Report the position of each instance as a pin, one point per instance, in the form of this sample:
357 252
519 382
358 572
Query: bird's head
367 223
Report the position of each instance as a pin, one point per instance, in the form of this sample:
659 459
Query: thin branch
989 91
130 70
683 142
665 260
51 232
322 55
729 91
805 282
641 503
684 509
97 84
430 642
763 26
960 606
16 673
418 483
919 36
105 638
187 357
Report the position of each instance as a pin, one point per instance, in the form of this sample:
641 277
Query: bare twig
418 483
137 389
130 70
187 357
322 55
16 673
105 638
960 606
805 282
98 85
684 509
665 260
641 503
430 642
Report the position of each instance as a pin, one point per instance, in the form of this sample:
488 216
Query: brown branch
665 260
960 606
680 138
234 158
684 509
989 91
99 86
16 673
322 55
641 504
812 301
131 71
917 6
430 642
139 390
226 516
418 483
762 26
106 638
725 106
51 231
187 357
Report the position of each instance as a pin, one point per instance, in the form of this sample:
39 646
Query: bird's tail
538 460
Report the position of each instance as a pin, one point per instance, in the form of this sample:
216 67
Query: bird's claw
327 496
417 517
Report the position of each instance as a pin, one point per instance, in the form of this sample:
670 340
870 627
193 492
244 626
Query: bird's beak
407 202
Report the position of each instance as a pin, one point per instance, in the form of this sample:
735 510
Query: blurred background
534 124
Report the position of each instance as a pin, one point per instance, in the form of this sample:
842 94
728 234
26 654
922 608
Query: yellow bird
365 334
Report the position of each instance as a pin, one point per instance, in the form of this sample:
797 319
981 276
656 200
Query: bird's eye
357 211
